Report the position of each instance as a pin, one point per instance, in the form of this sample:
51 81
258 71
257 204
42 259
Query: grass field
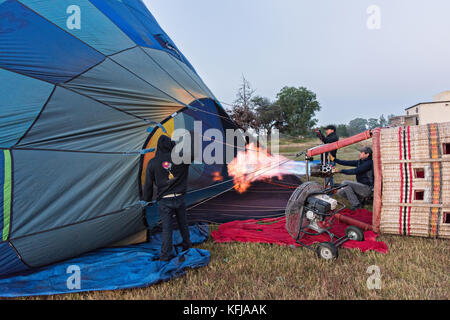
414 268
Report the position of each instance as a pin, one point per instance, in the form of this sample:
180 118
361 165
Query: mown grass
414 268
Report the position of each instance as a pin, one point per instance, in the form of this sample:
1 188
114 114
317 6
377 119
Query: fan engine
310 212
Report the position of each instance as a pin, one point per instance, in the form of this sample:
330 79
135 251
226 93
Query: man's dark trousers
329 182
353 191
167 208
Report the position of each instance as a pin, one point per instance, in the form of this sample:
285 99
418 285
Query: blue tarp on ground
110 269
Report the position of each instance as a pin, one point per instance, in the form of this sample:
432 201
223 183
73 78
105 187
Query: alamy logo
374 281
374 20
74 280
74 20
212 147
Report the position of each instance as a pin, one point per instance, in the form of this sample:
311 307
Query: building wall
443 96
397 121
404 121
429 113
434 113
437 111
412 121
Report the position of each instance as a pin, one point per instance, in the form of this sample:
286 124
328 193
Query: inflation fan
311 211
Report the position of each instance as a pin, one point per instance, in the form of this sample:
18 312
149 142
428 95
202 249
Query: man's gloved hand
319 134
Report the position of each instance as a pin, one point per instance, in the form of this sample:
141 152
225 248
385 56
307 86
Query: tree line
292 113
359 125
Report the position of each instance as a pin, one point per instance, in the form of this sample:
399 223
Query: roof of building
432 102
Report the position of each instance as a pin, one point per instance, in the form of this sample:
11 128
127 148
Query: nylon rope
225 191
229 189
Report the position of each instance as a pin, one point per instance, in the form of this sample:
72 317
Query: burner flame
256 164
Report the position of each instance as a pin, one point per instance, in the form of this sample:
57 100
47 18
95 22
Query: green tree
356 126
342 130
372 123
383 122
389 117
268 114
298 107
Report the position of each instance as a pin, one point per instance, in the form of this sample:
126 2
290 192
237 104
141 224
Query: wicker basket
415 174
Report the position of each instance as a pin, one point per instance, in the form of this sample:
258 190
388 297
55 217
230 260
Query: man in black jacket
354 191
331 136
171 182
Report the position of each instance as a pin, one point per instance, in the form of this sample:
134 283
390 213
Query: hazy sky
323 45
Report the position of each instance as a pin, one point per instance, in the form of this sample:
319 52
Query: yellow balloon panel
153 143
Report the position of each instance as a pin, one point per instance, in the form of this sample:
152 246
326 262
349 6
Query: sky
360 61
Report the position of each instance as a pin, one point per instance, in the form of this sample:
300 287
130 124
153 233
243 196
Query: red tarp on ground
274 231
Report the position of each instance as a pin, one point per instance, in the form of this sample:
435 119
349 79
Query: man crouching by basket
355 192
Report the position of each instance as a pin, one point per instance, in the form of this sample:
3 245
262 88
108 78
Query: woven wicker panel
444 131
400 182
417 223
419 141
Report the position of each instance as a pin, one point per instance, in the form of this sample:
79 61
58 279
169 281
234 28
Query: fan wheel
296 221
354 233
327 251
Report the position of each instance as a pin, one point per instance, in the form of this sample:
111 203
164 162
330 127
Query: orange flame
254 164
217 177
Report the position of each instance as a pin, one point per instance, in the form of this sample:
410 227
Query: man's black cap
331 127
367 150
